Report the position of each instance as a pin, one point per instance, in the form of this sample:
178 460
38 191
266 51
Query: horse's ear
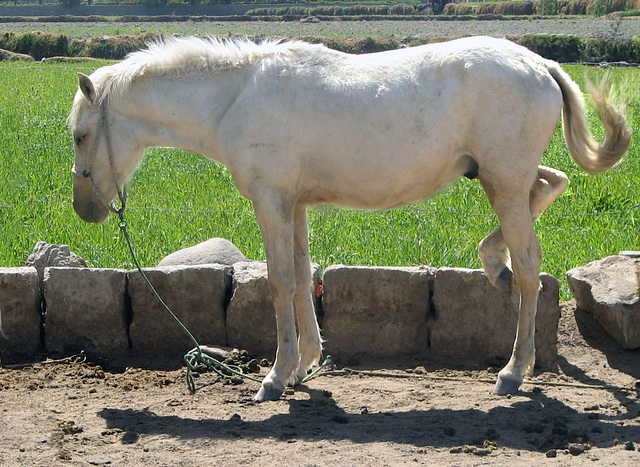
87 88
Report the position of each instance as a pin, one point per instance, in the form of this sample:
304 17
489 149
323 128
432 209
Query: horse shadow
538 423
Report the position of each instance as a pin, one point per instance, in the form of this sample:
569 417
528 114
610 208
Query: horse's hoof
298 377
269 392
504 280
506 386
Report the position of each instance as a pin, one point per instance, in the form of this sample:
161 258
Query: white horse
299 124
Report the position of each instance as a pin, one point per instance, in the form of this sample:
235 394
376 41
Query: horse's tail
585 150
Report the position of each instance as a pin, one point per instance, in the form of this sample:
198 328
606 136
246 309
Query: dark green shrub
458 9
354 10
326 11
362 45
574 7
607 50
603 7
546 7
37 44
297 11
559 48
485 9
116 47
258 12
513 8
402 9
69 3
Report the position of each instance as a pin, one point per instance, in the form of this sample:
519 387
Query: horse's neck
183 112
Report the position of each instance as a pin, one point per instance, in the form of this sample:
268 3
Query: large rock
195 294
375 311
20 314
86 311
212 251
610 289
251 319
46 255
13 56
476 322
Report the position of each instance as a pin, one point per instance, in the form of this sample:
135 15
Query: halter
86 173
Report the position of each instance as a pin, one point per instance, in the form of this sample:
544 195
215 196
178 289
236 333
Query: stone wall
365 313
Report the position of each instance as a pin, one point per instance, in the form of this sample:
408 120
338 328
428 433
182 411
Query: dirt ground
79 415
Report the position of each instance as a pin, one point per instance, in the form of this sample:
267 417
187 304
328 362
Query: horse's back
377 130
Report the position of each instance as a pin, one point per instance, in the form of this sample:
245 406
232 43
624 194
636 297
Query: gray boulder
46 255
13 56
610 289
212 251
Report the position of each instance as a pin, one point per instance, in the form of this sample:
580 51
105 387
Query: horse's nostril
86 173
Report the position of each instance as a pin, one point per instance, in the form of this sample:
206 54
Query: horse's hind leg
309 340
513 210
548 186
496 261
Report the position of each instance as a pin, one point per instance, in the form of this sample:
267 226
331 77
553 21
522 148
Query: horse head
104 145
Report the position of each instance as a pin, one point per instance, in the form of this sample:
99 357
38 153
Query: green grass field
179 199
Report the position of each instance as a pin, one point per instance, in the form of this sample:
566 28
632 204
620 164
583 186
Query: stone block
85 310
251 319
20 314
195 294
378 312
476 323
610 289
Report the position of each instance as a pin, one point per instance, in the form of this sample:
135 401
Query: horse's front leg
275 217
309 341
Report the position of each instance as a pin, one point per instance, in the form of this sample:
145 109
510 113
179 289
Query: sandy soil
79 415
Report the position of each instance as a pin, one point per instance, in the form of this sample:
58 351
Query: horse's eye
80 139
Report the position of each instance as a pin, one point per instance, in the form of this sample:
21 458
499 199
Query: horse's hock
452 314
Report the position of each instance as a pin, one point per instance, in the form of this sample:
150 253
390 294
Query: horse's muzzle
85 202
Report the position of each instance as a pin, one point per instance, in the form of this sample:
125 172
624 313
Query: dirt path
81 415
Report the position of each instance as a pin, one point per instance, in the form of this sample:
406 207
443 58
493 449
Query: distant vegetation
543 7
560 48
386 8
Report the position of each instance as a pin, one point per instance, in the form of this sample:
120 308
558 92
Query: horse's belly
378 191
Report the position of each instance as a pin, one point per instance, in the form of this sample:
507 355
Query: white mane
188 55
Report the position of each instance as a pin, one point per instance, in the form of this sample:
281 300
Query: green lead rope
196 359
